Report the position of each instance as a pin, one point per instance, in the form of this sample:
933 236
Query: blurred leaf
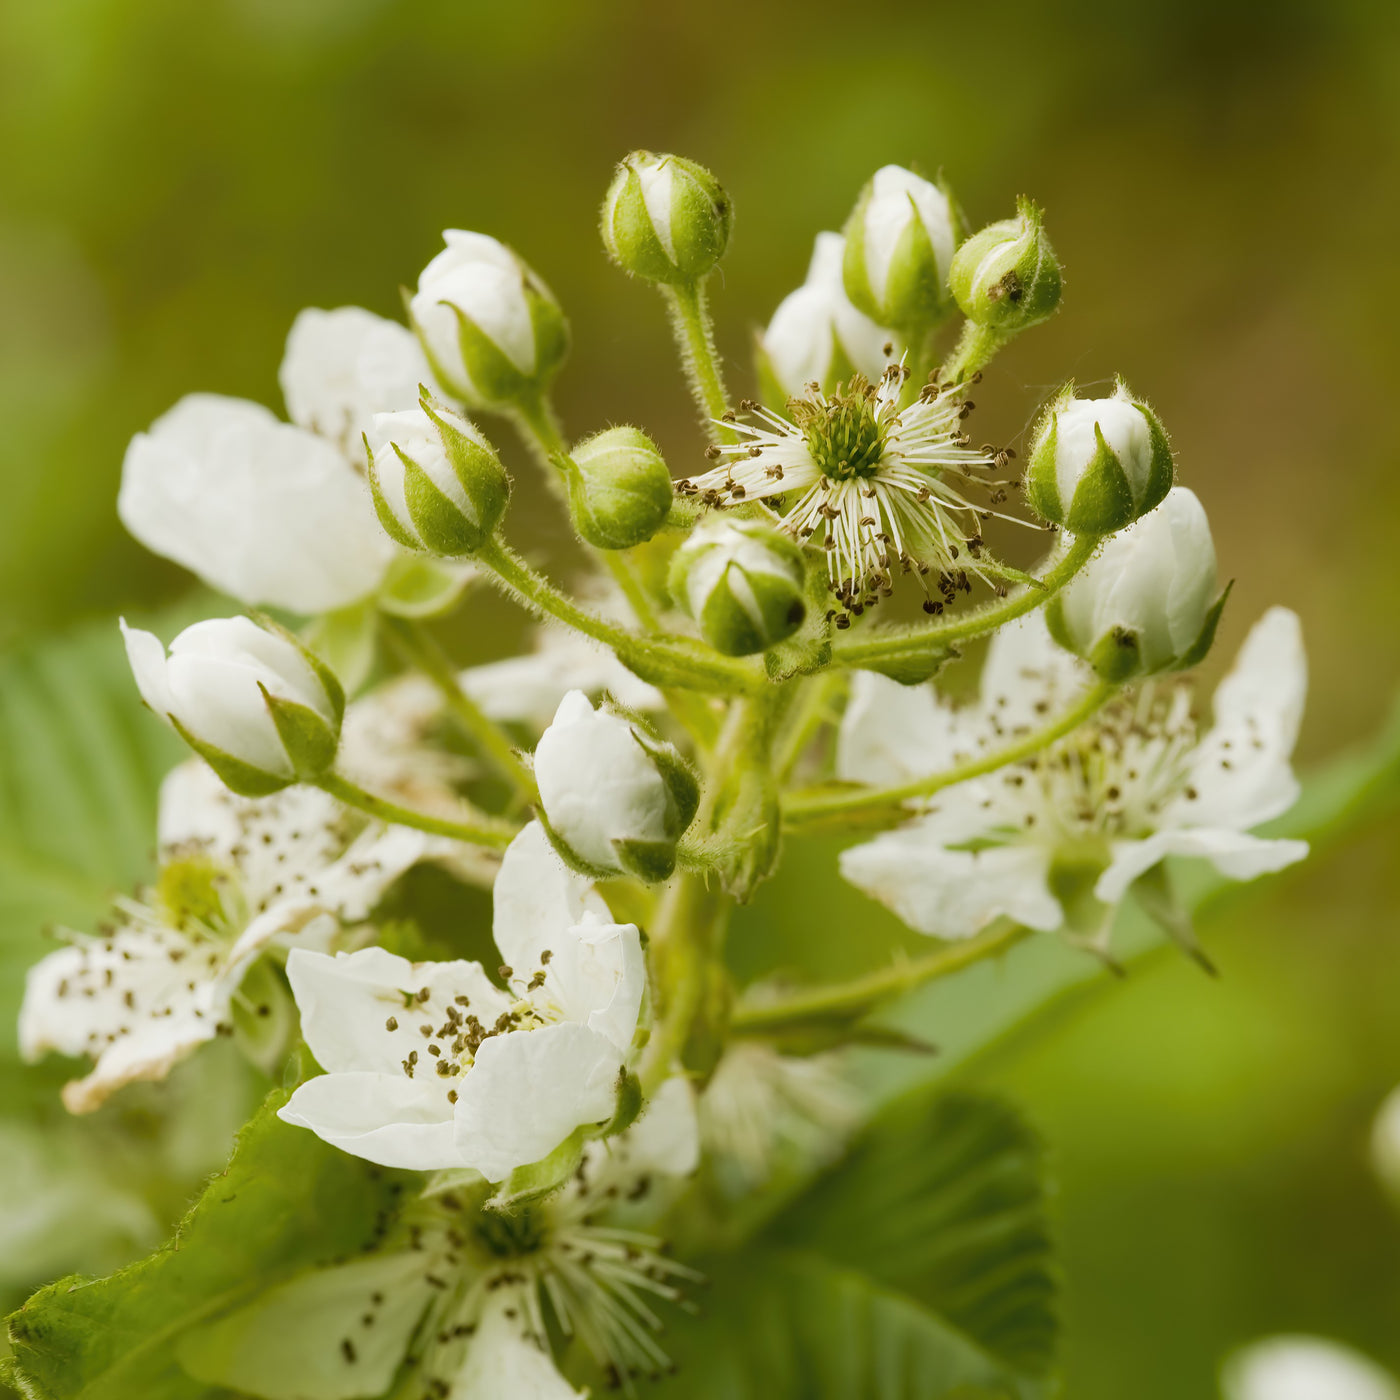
80 766
286 1201
784 1325
944 1198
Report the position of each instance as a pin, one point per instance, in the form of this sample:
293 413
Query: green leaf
785 1325
285 1202
943 1198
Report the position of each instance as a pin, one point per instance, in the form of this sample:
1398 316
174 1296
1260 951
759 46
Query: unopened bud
743 582
615 798
620 488
665 219
246 696
1007 276
437 483
1148 602
899 245
1096 465
493 332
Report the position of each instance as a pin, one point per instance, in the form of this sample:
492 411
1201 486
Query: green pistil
844 434
191 892
509 1235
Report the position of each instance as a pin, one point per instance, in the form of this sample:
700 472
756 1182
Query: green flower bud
665 219
899 245
1148 602
743 582
619 488
1097 465
1007 275
436 482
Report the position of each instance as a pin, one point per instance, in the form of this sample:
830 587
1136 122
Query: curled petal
1235 854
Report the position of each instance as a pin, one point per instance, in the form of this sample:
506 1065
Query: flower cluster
716 688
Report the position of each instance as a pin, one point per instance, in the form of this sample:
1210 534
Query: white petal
898 197
529 688
597 784
952 894
1305 1368
1027 677
1234 854
528 1090
196 809
892 733
346 1002
536 898
342 367
146 656
1241 773
289 1344
502 1362
256 508
387 1119
596 976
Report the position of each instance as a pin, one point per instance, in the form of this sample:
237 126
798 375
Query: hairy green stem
690 320
685 663
483 831
810 713
418 647
686 939
975 348
863 651
809 808
851 1000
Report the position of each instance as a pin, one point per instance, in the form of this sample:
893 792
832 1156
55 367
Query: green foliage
920 1266
944 1199
286 1201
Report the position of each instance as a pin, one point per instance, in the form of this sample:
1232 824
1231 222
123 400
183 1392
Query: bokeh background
1222 184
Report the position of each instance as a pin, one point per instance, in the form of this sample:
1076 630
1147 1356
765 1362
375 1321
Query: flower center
844 433
508 1236
193 894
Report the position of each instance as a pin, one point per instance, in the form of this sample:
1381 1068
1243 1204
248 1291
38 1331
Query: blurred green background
1221 184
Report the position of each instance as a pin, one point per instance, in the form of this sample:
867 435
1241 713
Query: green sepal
1162 474
477 468
1042 481
1006 276
566 852
1117 656
731 629
1103 500
648 861
1196 653
1071 877
420 586
540 1179
493 380
440 522
388 521
310 742
236 775
330 682
749 816
1159 901
808 650
682 786
629 1105
914 661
